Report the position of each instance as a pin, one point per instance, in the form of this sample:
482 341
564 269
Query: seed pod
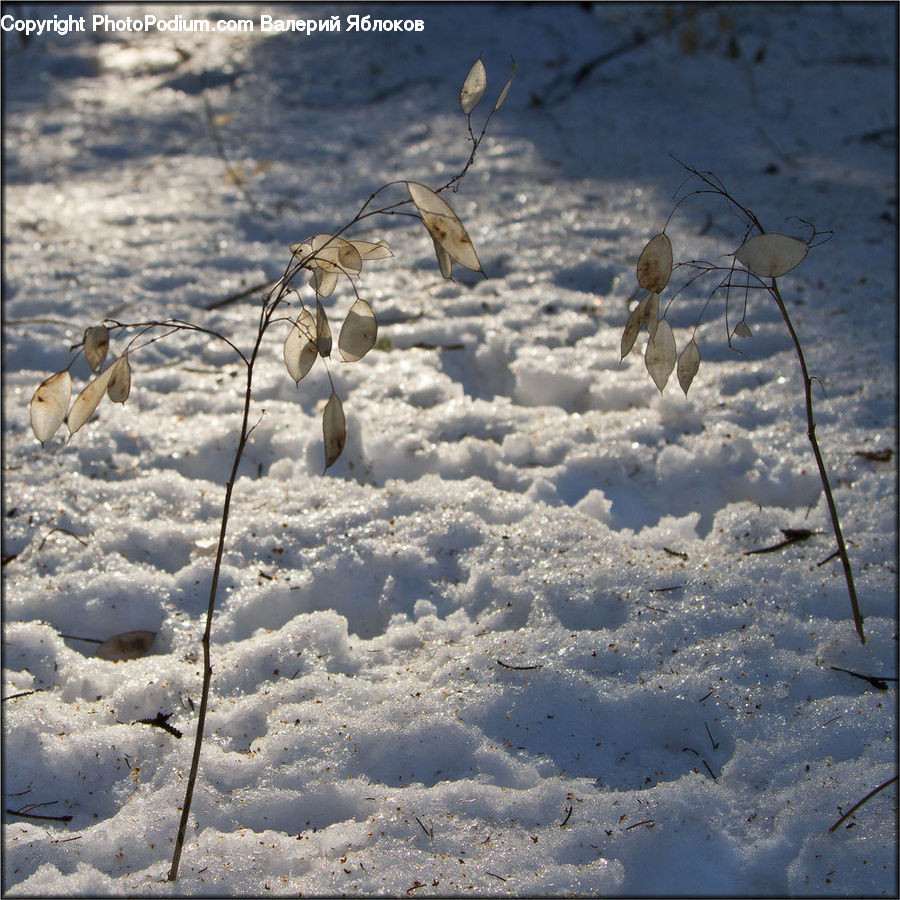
88 400
300 351
323 332
771 255
359 332
688 364
654 266
634 324
444 225
96 343
660 354
473 87
505 90
334 429
49 405
368 250
119 386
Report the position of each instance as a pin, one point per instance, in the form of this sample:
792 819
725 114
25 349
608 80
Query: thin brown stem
213 590
865 799
820 462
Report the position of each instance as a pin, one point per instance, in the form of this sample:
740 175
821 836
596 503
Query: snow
511 642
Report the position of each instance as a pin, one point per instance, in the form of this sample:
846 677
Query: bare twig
25 813
865 799
161 720
518 668
879 682
820 463
22 694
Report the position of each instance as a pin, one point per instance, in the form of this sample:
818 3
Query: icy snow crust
510 643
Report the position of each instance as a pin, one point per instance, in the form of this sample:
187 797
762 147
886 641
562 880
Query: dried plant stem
865 799
820 462
207 664
265 318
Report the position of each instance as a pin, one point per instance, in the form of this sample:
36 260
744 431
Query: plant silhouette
325 260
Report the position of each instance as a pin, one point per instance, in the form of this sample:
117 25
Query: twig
81 541
160 721
856 806
518 668
565 821
678 553
31 815
820 463
791 536
22 694
876 681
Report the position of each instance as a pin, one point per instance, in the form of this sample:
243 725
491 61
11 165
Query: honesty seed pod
659 356
96 343
473 87
688 364
49 405
89 399
119 386
444 225
300 350
654 267
358 333
334 429
771 255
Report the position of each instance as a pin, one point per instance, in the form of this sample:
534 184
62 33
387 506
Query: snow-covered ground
511 642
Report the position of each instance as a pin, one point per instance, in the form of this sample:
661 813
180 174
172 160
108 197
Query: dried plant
327 260
759 261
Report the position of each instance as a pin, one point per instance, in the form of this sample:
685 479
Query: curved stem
820 462
865 799
207 663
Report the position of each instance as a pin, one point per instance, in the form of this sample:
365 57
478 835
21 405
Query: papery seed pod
49 405
300 350
654 267
334 429
368 250
323 332
88 400
633 326
473 87
688 364
119 386
444 225
96 343
358 333
334 254
660 354
323 283
771 255
505 90
742 330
